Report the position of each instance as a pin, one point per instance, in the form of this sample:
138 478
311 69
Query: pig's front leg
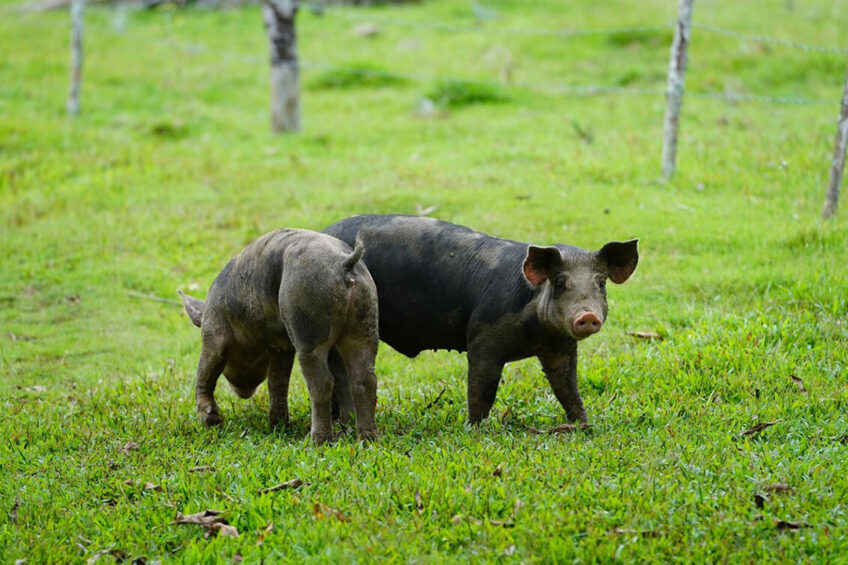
484 376
561 371
209 368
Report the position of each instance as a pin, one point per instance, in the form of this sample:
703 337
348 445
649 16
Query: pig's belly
246 371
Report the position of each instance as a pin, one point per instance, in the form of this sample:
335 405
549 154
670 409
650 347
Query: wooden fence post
285 83
77 11
838 164
674 88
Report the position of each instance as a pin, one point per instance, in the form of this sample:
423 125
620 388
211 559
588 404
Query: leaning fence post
77 11
285 83
838 164
674 88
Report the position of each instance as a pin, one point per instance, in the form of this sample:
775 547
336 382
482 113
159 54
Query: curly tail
354 257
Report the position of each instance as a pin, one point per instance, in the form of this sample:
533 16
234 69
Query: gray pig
291 291
443 286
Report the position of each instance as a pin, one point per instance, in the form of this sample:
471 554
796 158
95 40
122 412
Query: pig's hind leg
343 407
278 388
319 382
359 354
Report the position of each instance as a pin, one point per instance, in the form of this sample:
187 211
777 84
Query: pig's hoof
368 435
320 439
278 422
579 419
211 418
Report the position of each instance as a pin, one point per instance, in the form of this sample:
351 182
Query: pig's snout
586 325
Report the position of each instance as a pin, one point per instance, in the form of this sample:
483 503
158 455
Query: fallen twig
562 428
759 427
294 483
645 335
434 401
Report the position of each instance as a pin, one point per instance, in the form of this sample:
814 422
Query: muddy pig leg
561 371
343 407
484 376
359 355
278 388
209 368
319 381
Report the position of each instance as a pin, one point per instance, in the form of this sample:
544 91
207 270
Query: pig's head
571 283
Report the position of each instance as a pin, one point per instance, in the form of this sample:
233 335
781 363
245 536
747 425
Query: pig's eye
561 284
602 284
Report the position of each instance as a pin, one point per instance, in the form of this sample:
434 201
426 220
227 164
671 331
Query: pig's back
432 277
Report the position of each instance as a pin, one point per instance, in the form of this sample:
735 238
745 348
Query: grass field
171 169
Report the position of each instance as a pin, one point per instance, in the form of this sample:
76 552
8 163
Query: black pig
291 291
443 286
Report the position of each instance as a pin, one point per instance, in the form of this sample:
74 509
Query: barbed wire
545 87
480 27
766 39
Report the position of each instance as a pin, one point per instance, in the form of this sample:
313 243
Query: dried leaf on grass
33 388
322 511
780 488
201 518
789 525
211 520
265 531
498 471
292 484
147 485
114 552
202 468
643 533
13 513
418 504
517 506
129 446
799 383
841 439
759 427
760 499
645 335
501 524
222 529
497 523
561 429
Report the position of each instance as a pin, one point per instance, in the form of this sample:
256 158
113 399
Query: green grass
171 169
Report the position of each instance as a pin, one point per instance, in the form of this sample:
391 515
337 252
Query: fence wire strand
482 27
766 39
544 87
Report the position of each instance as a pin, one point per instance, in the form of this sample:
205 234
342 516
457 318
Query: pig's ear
621 258
540 263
